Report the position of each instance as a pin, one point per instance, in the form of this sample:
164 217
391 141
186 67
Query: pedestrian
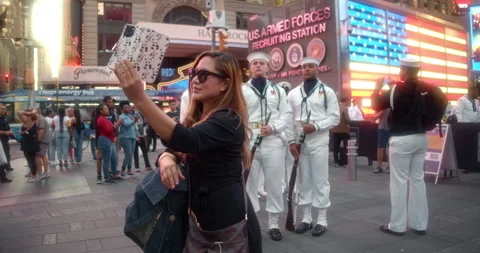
106 143
315 98
340 135
5 134
29 143
408 146
62 137
128 136
263 97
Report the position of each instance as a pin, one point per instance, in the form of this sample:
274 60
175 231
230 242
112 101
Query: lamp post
56 93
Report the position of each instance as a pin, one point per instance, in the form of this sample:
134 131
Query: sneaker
378 170
109 181
99 179
29 174
117 177
34 180
137 170
148 169
46 175
122 174
387 170
130 173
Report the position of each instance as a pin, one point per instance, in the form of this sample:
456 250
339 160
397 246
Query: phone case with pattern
144 47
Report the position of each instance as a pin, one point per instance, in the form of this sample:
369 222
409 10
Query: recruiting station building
357 43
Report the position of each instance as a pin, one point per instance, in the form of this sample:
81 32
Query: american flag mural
379 37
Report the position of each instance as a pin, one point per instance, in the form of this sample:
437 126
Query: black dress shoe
319 230
385 229
303 227
275 234
5 180
419 232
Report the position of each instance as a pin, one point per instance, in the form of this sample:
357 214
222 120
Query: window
185 16
242 20
112 17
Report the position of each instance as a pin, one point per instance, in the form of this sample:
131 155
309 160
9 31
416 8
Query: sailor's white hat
308 60
258 56
410 61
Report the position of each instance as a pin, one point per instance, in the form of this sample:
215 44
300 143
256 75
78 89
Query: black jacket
400 121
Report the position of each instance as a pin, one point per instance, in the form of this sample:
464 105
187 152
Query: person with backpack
416 107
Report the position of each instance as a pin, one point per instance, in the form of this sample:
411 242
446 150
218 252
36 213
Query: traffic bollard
352 159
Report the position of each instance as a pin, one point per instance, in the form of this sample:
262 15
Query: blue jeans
62 140
109 154
128 144
52 148
93 146
78 145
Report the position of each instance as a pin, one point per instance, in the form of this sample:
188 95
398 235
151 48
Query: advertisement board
379 37
475 36
296 30
440 152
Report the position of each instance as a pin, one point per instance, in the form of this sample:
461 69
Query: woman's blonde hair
232 98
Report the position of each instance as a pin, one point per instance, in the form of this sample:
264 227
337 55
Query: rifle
257 143
291 184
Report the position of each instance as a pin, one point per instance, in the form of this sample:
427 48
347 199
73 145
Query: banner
297 30
475 37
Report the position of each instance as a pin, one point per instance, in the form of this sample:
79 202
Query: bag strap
392 91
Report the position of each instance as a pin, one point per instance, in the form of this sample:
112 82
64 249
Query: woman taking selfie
214 138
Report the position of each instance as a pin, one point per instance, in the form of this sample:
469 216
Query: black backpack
428 106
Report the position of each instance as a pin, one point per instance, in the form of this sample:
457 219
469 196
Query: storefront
357 43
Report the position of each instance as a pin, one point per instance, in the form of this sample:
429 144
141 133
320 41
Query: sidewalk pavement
69 212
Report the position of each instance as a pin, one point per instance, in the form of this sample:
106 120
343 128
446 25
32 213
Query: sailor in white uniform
264 97
313 96
184 104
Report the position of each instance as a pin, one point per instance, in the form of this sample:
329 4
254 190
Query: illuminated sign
475 37
289 33
379 37
462 5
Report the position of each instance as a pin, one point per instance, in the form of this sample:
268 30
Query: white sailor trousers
269 157
314 187
407 186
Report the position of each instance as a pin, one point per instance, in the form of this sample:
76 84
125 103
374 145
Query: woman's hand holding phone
130 81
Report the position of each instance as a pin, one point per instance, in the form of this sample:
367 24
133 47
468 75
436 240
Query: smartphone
144 47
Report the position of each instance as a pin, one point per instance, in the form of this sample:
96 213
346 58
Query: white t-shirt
56 122
49 123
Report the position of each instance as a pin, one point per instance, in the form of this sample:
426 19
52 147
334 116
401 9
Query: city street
69 212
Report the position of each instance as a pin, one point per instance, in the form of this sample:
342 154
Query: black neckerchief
259 85
309 84
474 105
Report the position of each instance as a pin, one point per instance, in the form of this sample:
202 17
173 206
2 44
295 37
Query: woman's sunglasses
203 75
